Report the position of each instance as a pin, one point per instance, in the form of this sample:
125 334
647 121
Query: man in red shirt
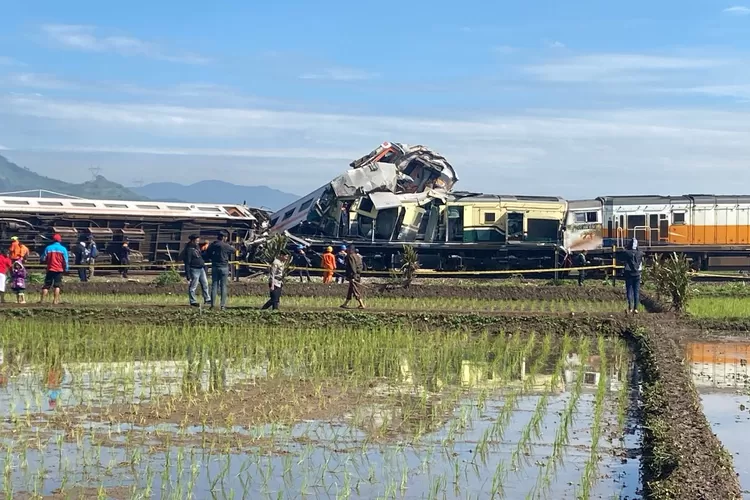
5 265
56 258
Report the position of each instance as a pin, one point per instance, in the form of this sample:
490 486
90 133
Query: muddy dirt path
594 291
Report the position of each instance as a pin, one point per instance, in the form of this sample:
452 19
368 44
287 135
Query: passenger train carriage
713 231
155 230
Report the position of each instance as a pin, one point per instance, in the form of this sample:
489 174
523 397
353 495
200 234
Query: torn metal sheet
425 168
361 181
385 199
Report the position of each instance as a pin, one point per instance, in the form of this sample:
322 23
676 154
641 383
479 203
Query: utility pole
95 171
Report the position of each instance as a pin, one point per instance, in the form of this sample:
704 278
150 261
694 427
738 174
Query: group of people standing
12 265
219 254
352 272
86 252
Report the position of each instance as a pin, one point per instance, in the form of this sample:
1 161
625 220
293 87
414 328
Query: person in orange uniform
17 250
329 265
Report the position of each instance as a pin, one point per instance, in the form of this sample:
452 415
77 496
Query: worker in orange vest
329 265
17 251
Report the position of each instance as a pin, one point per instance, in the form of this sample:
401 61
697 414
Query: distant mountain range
15 178
217 192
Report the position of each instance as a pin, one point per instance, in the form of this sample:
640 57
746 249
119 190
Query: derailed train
155 231
400 195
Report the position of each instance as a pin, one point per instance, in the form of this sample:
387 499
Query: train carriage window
209 209
592 217
274 221
678 217
306 205
83 205
50 203
16 202
489 217
288 214
115 205
178 208
148 207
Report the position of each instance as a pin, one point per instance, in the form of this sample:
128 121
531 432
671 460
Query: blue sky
576 99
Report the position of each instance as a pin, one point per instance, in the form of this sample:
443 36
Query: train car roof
119 208
484 197
593 203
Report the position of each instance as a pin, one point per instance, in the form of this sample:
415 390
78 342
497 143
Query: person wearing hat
17 250
302 261
56 258
276 281
328 261
220 254
341 264
195 270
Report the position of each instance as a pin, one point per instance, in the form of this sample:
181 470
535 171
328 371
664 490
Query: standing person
5 267
276 281
81 254
18 281
195 271
581 261
93 253
18 251
124 258
354 276
220 254
56 258
302 261
328 261
633 265
341 264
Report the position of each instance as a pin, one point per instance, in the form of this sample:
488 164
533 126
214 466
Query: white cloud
568 152
3 148
737 10
555 44
617 67
87 39
741 92
38 81
339 74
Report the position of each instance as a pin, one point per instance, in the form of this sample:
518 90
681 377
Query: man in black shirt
633 265
220 254
195 270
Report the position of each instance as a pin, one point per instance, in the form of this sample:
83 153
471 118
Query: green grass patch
720 307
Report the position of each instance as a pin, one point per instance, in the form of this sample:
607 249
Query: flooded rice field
722 377
265 412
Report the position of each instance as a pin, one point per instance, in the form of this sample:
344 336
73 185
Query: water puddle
530 417
721 375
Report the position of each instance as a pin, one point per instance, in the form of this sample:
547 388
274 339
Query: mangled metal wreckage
400 194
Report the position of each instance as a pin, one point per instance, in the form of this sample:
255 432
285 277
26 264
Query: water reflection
719 365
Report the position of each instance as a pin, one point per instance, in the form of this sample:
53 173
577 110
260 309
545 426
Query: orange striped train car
712 230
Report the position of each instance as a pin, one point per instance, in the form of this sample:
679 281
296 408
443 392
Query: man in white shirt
276 281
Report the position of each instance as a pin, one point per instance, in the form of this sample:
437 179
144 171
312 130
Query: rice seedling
264 411
375 302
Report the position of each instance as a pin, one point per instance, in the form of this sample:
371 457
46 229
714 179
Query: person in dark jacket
341 264
81 254
633 265
220 254
303 264
581 261
354 276
195 271
124 257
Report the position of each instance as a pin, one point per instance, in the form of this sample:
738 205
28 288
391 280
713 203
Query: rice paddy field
437 391
283 413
